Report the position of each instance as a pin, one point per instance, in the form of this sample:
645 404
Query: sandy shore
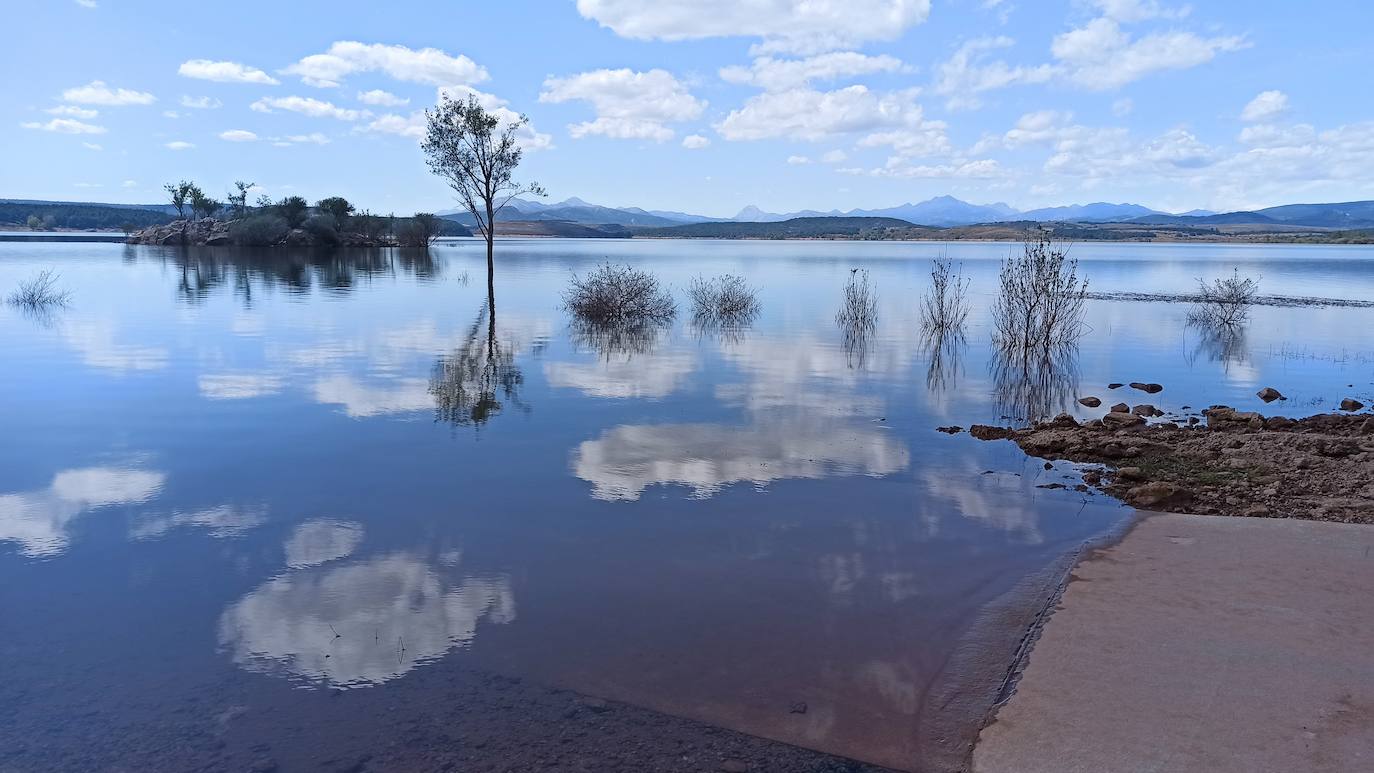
1202 643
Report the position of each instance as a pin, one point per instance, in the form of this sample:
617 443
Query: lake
282 510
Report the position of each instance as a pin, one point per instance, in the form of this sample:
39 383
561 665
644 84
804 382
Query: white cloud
98 93
315 108
382 98
170 114
65 126
801 26
313 138
774 74
201 103
413 125
72 111
798 160
628 104
1101 56
92 146
1265 107
224 72
695 142
427 65
968 72
238 135
179 145
807 114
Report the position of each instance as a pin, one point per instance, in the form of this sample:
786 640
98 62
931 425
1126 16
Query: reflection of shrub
725 300
619 294
1041 302
860 309
40 291
324 228
944 307
258 231
1225 302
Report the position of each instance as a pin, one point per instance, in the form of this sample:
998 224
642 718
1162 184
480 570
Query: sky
702 106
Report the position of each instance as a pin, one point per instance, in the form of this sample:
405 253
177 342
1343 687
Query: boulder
950 430
1269 394
1350 404
1158 494
1223 418
1120 420
1145 409
1121 408
1147 388
1091 402
1115 386
985 432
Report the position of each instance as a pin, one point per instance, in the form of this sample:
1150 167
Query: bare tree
180 194
476 153
238 200
1224 302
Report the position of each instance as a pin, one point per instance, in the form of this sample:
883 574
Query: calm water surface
225 474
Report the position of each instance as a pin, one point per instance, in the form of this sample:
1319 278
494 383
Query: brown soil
1318 468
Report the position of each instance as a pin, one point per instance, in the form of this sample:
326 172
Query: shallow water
226 472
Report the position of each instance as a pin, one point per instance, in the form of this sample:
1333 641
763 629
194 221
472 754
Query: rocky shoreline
1234 463
210 232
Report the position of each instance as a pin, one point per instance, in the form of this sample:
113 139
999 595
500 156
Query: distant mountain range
947 211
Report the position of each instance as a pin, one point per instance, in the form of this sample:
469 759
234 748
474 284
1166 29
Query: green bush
258 231
324 228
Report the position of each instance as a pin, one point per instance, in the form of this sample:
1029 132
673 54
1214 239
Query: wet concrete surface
1202 643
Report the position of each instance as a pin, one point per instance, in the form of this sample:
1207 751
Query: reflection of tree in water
470 383
1032 384
246 271
1225 344
945 348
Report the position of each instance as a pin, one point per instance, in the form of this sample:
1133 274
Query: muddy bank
1235 463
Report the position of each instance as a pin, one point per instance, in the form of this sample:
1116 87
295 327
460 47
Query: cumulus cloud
628 104
201 103
238 135
381 98
775 74
224 72
808 114
799 26
1100 55
969 72
65 126
695 142
347 57
72 111
1265 107
413 125
315 108
179 145
98 93
313 138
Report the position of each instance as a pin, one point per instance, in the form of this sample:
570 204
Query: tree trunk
491 243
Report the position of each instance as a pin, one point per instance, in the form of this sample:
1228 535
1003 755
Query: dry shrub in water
945 305
40 291
1224 302
723 301
619 295
860 309
1041 302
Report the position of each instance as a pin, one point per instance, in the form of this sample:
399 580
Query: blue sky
704 105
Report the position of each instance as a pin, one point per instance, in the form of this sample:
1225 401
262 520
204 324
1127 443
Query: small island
288 222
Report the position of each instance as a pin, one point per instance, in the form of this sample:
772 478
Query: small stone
1092 477
1269 394
1350 404
1257 511
1150 388
1049 465
1158 494
1130 473
1091 402
799 707
1121 408
1115 386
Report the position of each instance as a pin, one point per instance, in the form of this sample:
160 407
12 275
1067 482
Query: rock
1052 486
1193 421
1120 420
1063 420
1367 428
1091 402
799 707
1147 388
1269 394
1121 408
1145 410
1115 386
1223 418
1349 404
950 430
1158 494
1092 477
1279 423
1130 473
734 766
218 240
1049 465
985 432
1257 511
